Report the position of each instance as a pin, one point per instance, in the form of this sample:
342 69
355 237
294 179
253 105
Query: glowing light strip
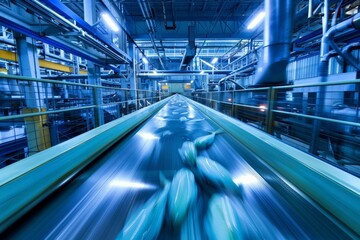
110 22
256 21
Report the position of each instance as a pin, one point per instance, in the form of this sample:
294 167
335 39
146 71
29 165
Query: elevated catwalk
96 202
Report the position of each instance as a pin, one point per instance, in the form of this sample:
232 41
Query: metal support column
133 79
94 79
323 72
93 69
269 121
37 130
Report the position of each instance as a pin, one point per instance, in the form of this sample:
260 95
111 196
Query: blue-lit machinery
303 198
27 183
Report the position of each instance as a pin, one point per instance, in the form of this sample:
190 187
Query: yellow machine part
37 130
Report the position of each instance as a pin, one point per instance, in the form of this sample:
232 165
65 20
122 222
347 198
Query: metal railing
36 114
322 119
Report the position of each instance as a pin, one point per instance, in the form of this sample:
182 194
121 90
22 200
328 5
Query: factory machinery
119 179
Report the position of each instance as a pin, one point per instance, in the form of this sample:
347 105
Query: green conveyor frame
25 183
334 189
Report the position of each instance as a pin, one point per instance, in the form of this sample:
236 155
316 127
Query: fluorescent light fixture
214 60
110 22
256 21
16 96
202 72
145 60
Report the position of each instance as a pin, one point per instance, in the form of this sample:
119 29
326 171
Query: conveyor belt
96 203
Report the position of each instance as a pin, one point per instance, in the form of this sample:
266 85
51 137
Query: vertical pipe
323 73
310 9
277 40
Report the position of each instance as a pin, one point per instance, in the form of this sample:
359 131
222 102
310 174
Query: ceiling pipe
330 55
277 40
328 38
352 46
145 12
243 72
238 86
333 21
149 15
347 50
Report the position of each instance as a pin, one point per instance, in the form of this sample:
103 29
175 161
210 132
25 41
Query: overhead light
257 20
110 22
202 72
145 60
214 60
192 81
155 72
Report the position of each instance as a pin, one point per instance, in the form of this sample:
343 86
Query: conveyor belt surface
96 203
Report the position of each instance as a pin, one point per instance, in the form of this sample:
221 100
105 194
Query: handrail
355 81
22 78
43 113
317 84
318 118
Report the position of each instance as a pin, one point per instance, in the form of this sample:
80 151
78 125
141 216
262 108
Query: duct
328 38
190 51
173 26
277 40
